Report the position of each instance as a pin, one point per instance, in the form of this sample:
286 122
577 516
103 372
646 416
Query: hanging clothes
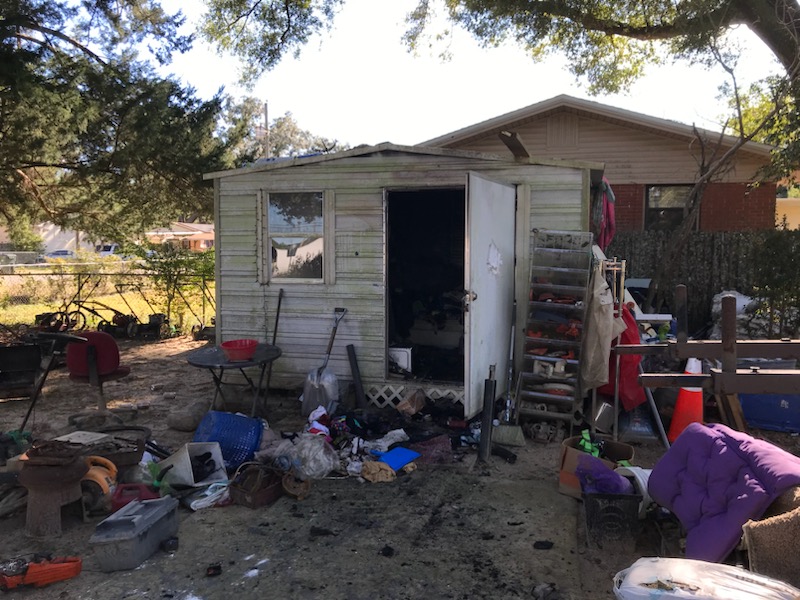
604 221
601 329
631 393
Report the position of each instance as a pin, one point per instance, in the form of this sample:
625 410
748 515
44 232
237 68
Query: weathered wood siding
246 307
631 155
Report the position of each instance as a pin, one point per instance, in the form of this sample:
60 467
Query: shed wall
557 199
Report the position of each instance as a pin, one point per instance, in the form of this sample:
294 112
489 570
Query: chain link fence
116 296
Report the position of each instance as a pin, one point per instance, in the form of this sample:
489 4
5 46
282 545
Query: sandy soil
464 529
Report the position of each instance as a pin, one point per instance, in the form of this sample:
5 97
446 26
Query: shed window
666 206
295 224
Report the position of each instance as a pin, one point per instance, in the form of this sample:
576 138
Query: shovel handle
338 315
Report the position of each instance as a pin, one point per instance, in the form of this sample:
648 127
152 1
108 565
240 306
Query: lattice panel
383 395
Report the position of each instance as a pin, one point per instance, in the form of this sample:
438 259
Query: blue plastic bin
238 436
774 412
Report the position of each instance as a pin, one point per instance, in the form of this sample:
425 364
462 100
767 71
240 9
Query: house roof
181 228
590 109
359 151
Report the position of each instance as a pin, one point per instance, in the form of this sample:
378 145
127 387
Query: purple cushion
715 479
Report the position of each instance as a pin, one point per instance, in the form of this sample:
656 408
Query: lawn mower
65 319
157 325
201 331
120 325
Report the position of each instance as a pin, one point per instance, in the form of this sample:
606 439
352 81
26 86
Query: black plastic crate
611 517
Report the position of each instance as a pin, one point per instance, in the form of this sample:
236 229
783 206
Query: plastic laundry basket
238 436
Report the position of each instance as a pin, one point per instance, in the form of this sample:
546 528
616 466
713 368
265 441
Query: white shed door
489 281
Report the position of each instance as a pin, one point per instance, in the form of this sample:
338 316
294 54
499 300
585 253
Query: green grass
21 301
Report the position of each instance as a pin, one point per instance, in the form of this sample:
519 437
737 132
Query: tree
248 140
607 41
262 32
90 137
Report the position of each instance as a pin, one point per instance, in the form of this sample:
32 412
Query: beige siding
631 155
247 308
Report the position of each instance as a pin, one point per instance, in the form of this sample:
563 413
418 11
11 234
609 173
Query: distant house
651 163
193 236
790 209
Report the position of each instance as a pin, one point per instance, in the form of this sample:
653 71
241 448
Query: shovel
321 388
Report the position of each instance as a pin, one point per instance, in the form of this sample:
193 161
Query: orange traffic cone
689 406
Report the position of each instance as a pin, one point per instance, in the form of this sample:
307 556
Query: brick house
651 163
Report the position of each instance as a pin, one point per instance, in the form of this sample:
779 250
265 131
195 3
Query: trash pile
136 484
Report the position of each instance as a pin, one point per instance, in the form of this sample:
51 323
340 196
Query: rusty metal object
53 453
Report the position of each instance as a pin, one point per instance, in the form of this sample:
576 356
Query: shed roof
385 147
590 109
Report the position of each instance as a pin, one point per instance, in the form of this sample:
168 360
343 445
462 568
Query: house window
666 206
295 224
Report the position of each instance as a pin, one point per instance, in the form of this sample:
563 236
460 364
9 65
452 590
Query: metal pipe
485 445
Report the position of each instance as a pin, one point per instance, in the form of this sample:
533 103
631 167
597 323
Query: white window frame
263 239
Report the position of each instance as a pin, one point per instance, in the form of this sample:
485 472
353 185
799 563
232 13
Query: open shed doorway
425 256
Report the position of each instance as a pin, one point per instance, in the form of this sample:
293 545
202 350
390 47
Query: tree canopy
90 137
609 42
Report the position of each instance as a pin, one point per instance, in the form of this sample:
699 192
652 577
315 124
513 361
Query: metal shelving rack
548 386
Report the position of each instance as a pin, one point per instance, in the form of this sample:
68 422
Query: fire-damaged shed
424 247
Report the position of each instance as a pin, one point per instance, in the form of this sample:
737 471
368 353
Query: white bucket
640 478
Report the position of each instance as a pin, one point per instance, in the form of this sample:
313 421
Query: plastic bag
314 457
683 578
320 390
597 478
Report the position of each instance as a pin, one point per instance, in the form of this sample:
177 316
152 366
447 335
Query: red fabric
631 394
609 220
107 354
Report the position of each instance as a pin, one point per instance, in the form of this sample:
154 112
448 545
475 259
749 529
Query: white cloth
601 328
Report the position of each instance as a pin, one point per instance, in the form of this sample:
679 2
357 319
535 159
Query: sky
359 84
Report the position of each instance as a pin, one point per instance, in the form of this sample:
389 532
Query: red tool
37 571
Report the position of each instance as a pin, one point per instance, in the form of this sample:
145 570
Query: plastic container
611 517
182 475
238 436
774 412
125 493
686 579
239 350
131 535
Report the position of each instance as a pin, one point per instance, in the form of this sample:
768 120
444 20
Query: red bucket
238 350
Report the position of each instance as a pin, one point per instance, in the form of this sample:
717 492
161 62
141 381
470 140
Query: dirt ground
465 529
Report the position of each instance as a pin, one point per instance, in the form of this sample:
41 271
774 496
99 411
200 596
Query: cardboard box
568 482
181 472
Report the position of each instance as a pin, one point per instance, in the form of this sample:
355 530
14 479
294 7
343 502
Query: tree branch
10 28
